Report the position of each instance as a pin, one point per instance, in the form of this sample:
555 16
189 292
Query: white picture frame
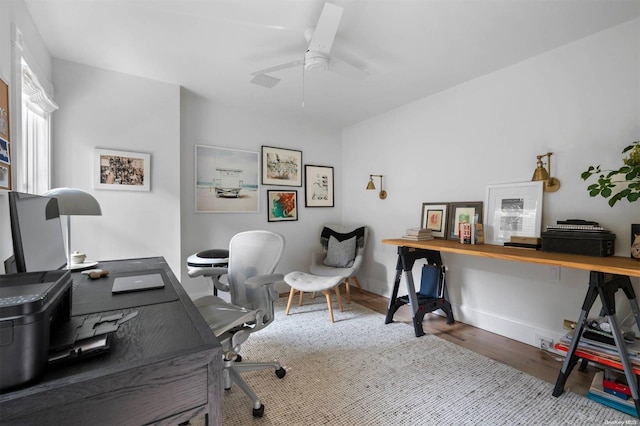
512 209
226 180
122 170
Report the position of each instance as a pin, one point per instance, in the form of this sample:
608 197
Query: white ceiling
409 49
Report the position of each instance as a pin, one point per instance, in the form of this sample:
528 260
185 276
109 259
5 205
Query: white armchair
337 257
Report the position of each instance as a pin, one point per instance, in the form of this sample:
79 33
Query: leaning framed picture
513 209
282 205
434 217
281 166
122 170
226 180
318 191
462 212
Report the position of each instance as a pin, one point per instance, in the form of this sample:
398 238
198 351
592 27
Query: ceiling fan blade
279 67
346 69
326 29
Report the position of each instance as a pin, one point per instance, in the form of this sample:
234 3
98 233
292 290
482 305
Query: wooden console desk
164 366
607 275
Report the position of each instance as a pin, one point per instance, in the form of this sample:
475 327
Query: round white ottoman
301 282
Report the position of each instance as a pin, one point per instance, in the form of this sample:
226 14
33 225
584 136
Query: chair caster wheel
281 373
238 358
258 412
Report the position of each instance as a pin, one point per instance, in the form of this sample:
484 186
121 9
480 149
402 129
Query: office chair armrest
207 272
261 280
213 273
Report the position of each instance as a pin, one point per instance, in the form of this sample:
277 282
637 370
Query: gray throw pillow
340 254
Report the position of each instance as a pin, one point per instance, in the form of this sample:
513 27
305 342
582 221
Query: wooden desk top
613 264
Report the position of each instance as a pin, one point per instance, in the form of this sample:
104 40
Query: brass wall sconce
551 184
371 185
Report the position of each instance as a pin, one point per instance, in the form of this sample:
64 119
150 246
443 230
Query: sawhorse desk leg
406 259
604 286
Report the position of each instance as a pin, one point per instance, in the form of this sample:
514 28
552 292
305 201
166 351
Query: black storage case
30 304
600 244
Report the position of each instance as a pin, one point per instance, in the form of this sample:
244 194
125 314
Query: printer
31 305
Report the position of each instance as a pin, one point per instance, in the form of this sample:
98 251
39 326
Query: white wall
104 109
14 14
206 122
581 101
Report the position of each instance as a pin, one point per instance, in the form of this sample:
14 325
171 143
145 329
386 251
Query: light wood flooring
523 357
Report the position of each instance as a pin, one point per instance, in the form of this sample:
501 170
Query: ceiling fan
317 57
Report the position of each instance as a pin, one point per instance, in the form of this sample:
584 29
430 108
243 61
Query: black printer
31 304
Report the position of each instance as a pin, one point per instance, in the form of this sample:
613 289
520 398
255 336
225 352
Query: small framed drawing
283 205
462 212
122 170
281 166
434 217
318 186
513 209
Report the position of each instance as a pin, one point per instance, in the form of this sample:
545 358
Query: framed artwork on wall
462 212
4 110
281 166
226 180
318 186
5 146
513 209
434 217
282 205
122 170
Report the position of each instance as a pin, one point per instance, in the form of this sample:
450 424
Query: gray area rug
359 371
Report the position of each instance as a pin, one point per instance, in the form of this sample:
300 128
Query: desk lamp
74 202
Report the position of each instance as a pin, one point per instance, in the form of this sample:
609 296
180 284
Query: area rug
359 371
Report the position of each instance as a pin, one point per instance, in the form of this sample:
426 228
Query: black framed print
318 186
281 166
283 205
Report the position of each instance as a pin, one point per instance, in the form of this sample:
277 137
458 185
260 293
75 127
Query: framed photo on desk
463 212
434 217
513 209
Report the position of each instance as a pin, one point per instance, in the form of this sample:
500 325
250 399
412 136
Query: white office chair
336 259
253 256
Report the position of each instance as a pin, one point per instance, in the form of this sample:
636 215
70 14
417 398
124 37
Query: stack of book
576 225
418 234
610 388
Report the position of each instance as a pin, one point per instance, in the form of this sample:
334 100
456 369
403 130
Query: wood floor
523 357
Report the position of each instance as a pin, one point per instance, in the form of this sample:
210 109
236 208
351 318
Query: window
37 106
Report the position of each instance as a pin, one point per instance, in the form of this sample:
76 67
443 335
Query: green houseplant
627 177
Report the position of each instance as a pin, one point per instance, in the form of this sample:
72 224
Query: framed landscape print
463 212
281 166
122 170
282 205
434 217
226 180
513 209
318 186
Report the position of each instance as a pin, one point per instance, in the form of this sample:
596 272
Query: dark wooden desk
164 367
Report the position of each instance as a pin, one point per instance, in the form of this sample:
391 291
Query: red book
615 386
